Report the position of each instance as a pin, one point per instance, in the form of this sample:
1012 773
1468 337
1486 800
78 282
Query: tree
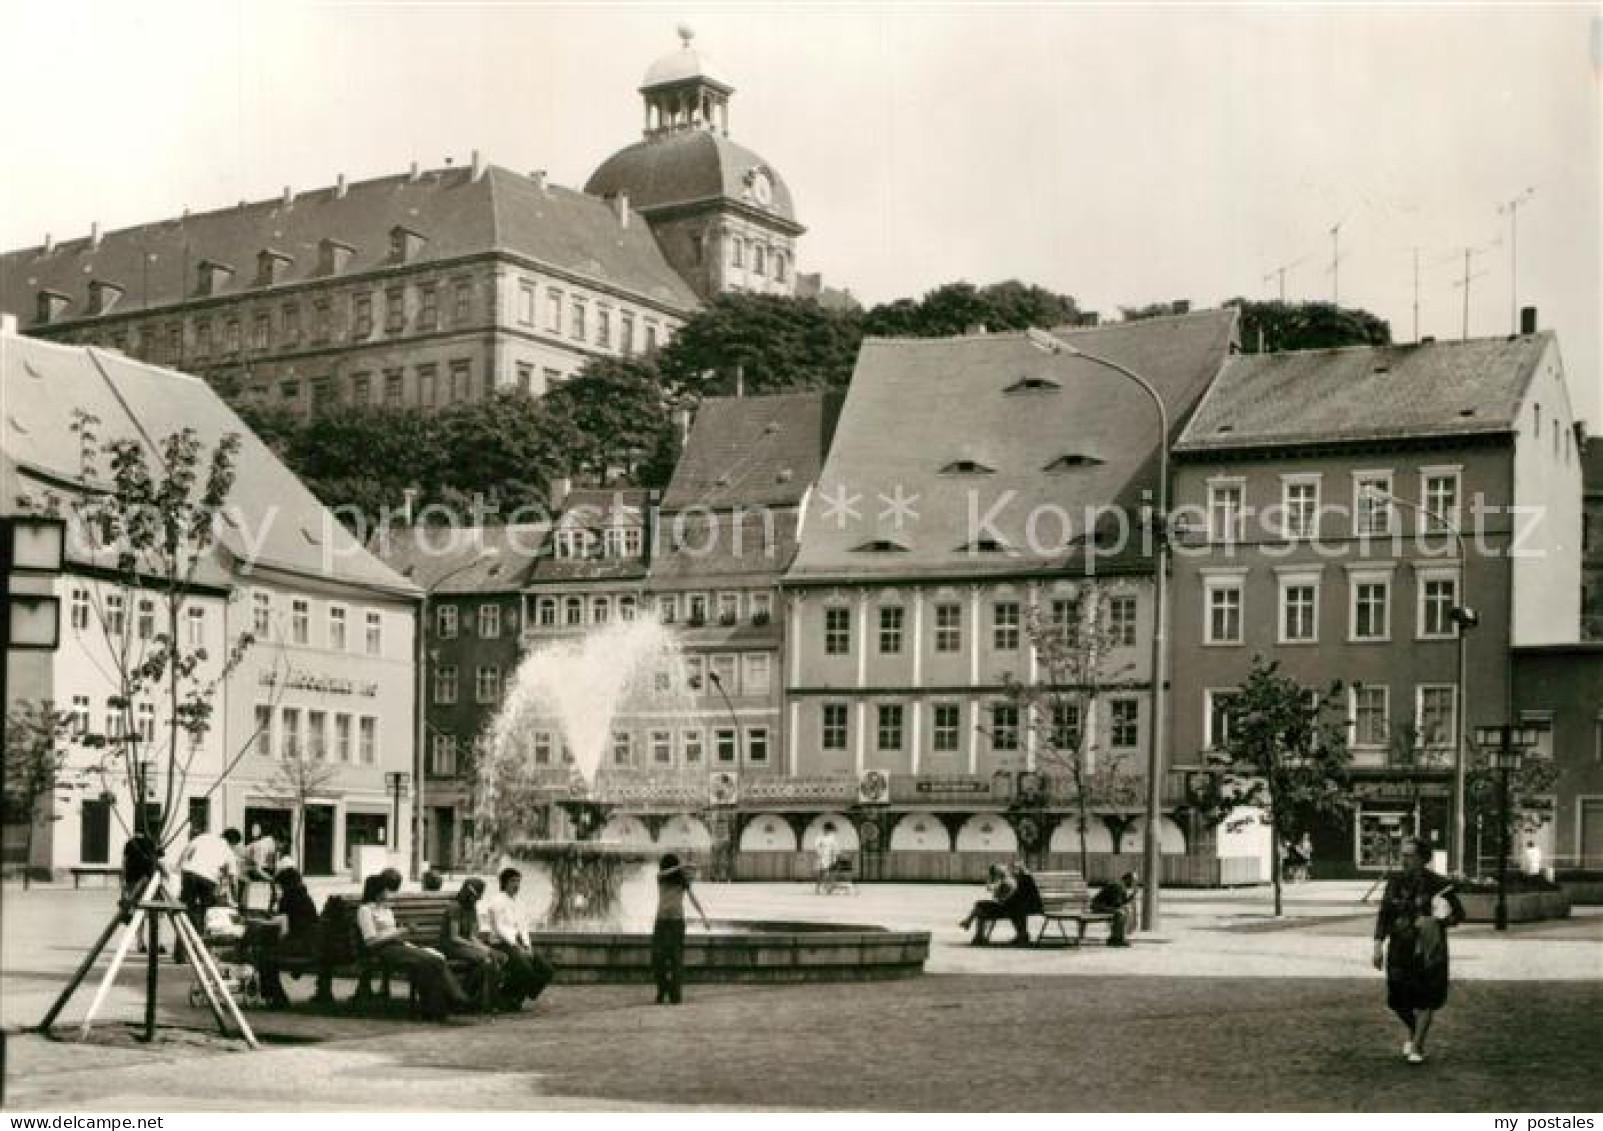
299 779
1154 310
615 416
363 459
36 753
1273 327
1284 752
1073 650
506 449
1483 796
775 342
959 308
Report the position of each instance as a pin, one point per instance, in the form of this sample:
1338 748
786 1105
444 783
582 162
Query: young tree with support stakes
1074 642
1284 752
300 778
37 740
147 514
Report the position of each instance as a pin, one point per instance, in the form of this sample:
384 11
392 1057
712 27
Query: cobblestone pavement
1229 1011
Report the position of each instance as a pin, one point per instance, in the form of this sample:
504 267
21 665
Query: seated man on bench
1116 900
1014 897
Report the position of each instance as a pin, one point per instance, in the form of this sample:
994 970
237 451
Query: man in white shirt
208 868
527 974
825 852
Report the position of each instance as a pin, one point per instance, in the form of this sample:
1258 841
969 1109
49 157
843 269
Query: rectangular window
889 729
195 621
1437 596
1218 722
290 728
1224 614
1066 618
428 385
667 608
375 634
761 608
231 337
723 669
1371 727
461 381
1124 716
445 684
1121 621
80 715
525 378
289 318
651 337
756 675
342 737
603 327
394 310
317 734
367 739
261 331
264 731
1299 613
80 608
1225 509
394 388
577 319
203 338
1435 721
553 310
1005 626
337 639
834 726
662 747
542 748
947 718
1004 726
626 332
490 621
757 746
728 608
487 685
428 311
600 610
1299 501
573 611
693 672
445 622
462 300
362 316
1440 497
1371 614
890 630
300 621
690 743
145 722
1372 505
442 763
361 389
115 619
837 632
1066 727
146 623
526 303
948 628
726 746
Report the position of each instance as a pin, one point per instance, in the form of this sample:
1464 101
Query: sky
1123 155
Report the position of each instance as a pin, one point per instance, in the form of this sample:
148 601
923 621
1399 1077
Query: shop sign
301 679
1402 790
951 786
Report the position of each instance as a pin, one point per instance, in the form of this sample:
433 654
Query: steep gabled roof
156 265
276 522
1366 393
919 406
698 550
753 451
480 559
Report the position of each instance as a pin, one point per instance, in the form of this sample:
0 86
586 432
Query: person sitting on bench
293 933
1014 897
427 969
459 939
527 974
1115 900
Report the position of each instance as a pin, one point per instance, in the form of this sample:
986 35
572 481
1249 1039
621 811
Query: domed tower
722 215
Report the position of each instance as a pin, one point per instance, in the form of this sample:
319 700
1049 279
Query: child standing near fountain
668 935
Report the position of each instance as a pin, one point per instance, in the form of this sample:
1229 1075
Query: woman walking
668 935
1411 943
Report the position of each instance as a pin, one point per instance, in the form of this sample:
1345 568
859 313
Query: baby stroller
839 878
224 934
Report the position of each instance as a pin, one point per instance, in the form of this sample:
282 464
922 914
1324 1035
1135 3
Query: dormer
986 546
967 467
881 546
211 277
405 244
1033 385
50 305
270 267
103 296
1071 461
332 256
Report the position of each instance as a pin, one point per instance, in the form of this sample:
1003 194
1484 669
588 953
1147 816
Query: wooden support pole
81 973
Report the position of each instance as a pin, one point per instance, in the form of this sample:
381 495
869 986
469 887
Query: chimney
50 243
557 493
412 173
1181 306
478 166
339 188
289 196
538 177
620 207
1527 319
681 419
94 235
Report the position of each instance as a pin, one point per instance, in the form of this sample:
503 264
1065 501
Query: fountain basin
743 951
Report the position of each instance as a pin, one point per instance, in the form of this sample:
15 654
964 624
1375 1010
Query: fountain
592 899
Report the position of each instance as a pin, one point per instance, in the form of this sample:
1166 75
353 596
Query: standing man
825 850
208 868
527 974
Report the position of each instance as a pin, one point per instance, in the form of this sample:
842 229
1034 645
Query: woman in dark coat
1411 943
459 938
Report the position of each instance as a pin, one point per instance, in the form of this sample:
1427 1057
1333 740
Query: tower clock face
762 186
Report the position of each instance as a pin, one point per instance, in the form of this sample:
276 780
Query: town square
584 558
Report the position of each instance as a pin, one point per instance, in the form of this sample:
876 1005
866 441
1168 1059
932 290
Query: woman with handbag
1411 943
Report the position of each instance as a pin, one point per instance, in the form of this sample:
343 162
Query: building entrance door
94 840
442 843
319 836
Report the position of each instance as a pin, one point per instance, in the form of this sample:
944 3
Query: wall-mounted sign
953 786
300 679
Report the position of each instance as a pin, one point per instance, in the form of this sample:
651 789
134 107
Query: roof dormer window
1071 461
881 546
270 266
50 304
1033 385
404 244
212 276
103 296
967 467
986 546
332 256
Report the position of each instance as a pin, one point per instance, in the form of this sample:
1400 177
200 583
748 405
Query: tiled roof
480 559
1366 393
595 507
698 550
686 168
753 451
932 422
281 525
157 264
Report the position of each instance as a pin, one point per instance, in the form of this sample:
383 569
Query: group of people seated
1014 896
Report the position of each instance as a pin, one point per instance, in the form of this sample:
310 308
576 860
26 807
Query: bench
83 870
342 954
1065 897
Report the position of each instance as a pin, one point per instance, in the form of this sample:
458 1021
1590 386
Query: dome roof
693 165
682 65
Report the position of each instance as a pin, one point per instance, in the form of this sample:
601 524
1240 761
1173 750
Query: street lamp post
1464 618
1151 861
1507 744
